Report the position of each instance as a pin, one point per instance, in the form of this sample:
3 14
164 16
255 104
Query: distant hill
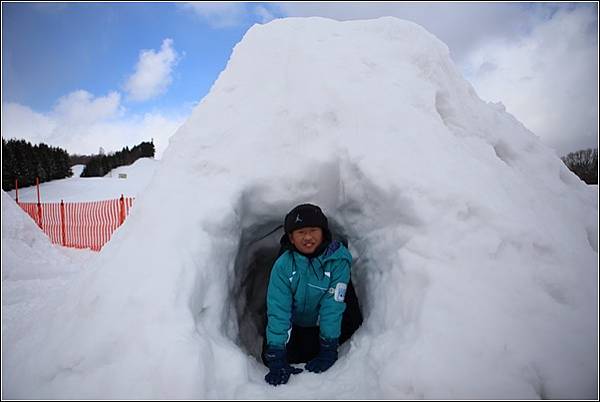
82 189
100 165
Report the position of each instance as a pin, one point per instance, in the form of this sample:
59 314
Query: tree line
100 165
23 161
584 164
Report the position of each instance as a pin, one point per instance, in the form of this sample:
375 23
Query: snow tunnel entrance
255 258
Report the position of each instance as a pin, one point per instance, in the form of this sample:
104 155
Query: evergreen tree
100 165
8 166
584 164
23 161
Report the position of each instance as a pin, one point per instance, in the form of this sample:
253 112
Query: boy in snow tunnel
307 314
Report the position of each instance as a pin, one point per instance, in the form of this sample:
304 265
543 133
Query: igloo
474 247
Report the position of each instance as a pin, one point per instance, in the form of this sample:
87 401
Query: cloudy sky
88 75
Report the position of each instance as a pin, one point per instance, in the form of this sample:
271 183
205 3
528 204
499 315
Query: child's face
307 239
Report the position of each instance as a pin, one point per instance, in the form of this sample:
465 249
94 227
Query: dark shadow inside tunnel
254 261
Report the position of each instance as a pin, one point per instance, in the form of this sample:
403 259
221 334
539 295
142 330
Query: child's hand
326 357
281 375
279 369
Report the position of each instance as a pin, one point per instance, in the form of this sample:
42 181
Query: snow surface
475 248
76 188
77 170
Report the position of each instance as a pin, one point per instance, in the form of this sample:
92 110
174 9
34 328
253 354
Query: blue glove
279 369
327 356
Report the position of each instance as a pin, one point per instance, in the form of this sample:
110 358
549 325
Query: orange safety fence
79 224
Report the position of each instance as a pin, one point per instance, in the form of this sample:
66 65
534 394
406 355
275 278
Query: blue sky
52 49
85 75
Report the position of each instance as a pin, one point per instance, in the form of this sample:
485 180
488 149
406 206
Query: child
305 297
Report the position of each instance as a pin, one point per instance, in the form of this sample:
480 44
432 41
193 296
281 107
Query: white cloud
547 79
218 14
264 14
152 74
82 124
80 107
19 121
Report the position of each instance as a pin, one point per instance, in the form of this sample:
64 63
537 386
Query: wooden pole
37 184
122 205
63 227
39 204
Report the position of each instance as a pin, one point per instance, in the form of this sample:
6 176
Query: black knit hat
305 215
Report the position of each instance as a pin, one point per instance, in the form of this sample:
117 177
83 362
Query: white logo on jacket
340 292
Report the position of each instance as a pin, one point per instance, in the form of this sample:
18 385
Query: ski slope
81 189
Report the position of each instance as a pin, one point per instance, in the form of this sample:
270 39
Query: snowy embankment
34 276
475 248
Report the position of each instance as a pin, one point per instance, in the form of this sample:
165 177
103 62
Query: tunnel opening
258 249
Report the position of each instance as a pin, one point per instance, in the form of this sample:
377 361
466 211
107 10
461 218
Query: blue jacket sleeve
333 305
279 305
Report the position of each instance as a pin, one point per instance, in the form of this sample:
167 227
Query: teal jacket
308 292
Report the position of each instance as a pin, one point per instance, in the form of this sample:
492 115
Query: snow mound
34 275
142 169
22 241
475 247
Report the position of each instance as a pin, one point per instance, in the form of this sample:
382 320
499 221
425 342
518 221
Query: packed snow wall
475 248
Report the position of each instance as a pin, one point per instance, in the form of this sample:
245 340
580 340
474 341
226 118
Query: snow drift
475 248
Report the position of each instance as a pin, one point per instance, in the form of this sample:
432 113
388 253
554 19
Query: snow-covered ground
475 249
77 188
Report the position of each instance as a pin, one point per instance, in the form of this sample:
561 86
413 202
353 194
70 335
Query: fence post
63 227
37 185
39 204
17 189
122 207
